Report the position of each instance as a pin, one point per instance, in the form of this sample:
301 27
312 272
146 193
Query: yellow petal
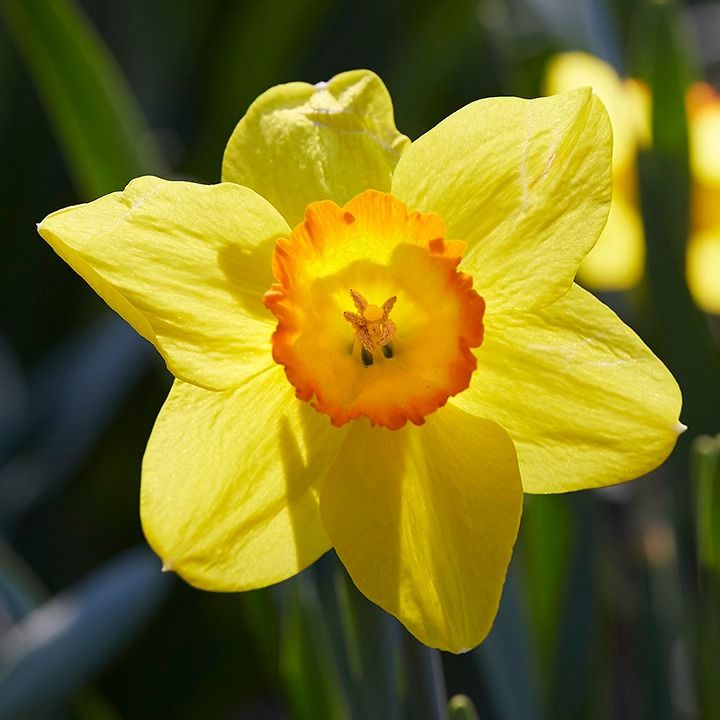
705 206
640 110
424 519
627 103
584 400
228 483
703 270
186 265
526 183
298 142
704 134
617 262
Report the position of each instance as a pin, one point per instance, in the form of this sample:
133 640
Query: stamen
359 300
373 328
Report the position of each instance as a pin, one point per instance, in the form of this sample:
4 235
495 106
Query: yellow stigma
373 313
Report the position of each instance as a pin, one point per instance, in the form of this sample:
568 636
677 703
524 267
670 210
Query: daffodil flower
702 268
617 262
377 344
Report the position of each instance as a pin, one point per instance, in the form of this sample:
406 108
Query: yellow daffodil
377 344
618 260
703 253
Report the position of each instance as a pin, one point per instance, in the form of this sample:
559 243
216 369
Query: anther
366 356
388 350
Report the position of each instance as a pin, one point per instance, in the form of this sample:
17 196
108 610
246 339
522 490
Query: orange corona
385 260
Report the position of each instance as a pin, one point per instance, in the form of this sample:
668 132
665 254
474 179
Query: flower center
373 328
367 363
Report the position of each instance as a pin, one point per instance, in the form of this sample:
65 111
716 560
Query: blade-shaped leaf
426 694
54 649
706 472
72 397
372 647
686 343
98 122
506 661
308 668
20 589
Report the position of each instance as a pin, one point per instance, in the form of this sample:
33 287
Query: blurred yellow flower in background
378 344
618 260
703 252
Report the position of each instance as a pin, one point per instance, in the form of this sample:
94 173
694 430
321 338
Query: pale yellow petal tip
680 428
168 566
42 228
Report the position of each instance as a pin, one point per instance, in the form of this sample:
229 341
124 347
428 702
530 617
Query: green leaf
506 661
706 471
573 673
547 535
256 47
686 343
54 649
100 127
424 680
372 644
308 666
20 589
72 396
441 43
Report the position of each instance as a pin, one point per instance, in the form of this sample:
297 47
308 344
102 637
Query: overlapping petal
299 143
186 265
229 495
584 400
526 183
424 520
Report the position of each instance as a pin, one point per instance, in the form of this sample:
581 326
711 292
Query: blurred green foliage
611 605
